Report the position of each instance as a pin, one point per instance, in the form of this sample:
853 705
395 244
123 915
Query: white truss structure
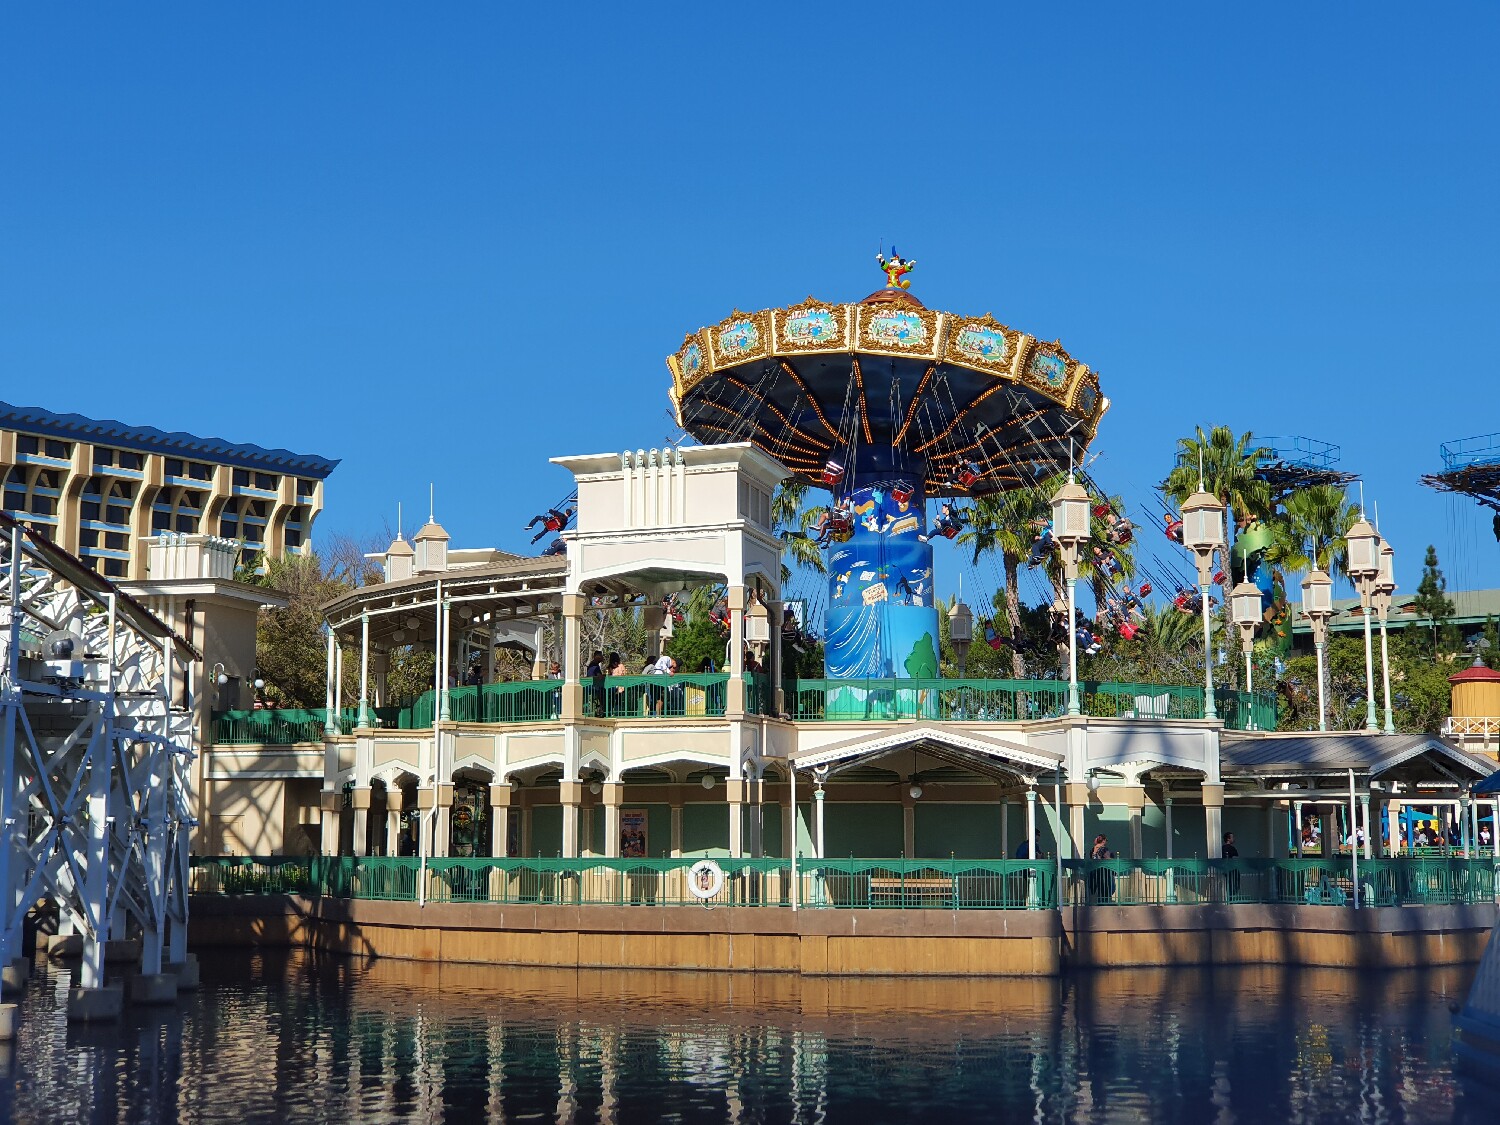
96 740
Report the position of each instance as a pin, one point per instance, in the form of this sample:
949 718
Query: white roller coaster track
95 749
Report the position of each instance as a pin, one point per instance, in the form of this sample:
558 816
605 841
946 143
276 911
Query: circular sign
705 879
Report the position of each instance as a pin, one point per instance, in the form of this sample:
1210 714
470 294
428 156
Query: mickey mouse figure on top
895 269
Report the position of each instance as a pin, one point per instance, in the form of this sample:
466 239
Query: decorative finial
398 521
431 503
896 269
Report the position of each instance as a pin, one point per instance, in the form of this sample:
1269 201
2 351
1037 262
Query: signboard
633 838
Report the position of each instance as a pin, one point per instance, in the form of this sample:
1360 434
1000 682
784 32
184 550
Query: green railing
705 695
1017 700
288 725
1310 882
667 697
865 884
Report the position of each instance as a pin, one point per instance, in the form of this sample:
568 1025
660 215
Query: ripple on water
303 1038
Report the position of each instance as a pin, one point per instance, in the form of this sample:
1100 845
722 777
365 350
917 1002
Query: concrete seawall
834 942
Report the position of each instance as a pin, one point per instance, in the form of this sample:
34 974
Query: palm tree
789 512
1228 468
1311 529
1007 523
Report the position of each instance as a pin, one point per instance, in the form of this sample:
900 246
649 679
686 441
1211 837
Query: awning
940 741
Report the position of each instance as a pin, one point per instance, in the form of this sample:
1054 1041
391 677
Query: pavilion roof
1312 753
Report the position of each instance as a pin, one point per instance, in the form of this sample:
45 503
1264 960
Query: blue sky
447 242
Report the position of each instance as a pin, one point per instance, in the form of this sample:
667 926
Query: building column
445 656
614 796
1364 816
1004 827
499 820
330 716
908 820
677 827
393 806
652 617
1031 824
755 790
570 793
789 820
735 794
359 807
1135 801
1075 797
775 697
572 692
1167 824
818 821
1297 827
1213 818
425 803
442 824
734 702
366 716
380 667
1273 850
332 802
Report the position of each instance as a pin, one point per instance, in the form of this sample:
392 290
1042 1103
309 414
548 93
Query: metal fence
706 696
866 884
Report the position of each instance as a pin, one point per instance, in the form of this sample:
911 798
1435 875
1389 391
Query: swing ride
1471 467
887 404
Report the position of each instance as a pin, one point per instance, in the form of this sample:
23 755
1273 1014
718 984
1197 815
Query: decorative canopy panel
943 396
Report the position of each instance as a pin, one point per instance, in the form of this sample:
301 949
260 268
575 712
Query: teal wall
771 831
962 831
861 831
546 831
705 829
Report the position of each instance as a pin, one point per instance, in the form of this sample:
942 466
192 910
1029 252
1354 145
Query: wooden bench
918 887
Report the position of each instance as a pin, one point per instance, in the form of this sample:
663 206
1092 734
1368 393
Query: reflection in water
301 1038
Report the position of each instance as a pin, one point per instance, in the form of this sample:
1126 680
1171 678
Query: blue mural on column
881 619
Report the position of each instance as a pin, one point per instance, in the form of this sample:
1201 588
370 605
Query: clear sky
446 242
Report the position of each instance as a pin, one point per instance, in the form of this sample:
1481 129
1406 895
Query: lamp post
1385 586
1203 534
1244 602
1317 607
1070 529
1364 572
961 634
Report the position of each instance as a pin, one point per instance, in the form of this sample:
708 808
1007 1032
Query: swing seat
968 473
902 493
950 531
1120 537
1129 630
1145 589
833 472
1100 511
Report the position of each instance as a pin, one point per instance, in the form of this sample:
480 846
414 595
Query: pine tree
1430 601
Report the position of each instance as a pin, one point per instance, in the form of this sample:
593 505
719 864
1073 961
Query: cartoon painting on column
633 834
881 620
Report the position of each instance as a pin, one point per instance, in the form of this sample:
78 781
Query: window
293 537
306 488
89 510
103 456
265 482
132 461
88 538
241 478
62 450
114 568
187 523
116 541
199 471
173 467
26 443
229 528
161 521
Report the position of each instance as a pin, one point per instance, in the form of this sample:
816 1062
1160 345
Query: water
304 1038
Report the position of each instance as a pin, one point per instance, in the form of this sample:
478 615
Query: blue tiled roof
146 439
